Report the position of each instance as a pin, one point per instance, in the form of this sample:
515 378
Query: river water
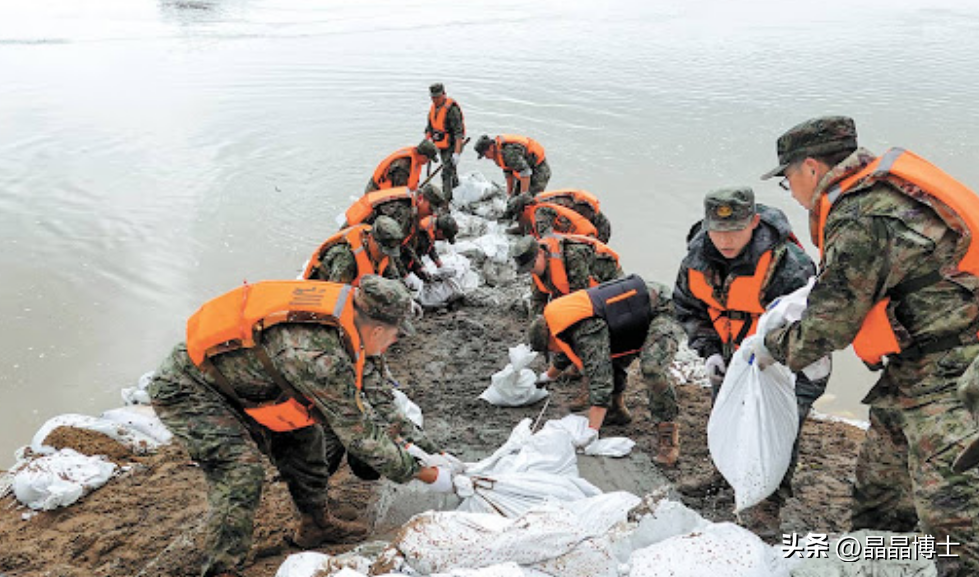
154 154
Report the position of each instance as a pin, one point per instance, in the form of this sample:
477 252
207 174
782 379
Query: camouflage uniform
607 376
518 160
582 264
546 216
791 269
874 239
339 264
228 445
399 172
456 130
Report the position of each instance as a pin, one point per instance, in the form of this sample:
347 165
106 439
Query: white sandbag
138 395
502 570
519 436
59 479
753 426
550 450
668 519
313 564
434 542
514 494
408 408
140 418
515 385
577 427
473 187
136 441
722 549
449 282
492 246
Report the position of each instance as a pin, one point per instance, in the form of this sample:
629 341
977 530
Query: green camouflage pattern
730 208
228 445
599 220
399 173
582 264
791 270
340 265
517 160
607 376
875 239
400 210
549 221
814 138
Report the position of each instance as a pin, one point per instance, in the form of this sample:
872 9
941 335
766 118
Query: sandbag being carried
515 385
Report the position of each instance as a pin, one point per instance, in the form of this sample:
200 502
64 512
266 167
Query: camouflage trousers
228 447
450 175
904 479
540 178
655 361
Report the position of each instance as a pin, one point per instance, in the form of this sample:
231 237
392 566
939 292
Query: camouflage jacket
545 218
877 237
590 341
517 159
581 264
791 268
401 210
314 360
399 173
340 265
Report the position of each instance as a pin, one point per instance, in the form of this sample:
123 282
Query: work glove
757 351
420 455
444 460
818 369
590 436
716 369
455 158
543 379
443 483
455 464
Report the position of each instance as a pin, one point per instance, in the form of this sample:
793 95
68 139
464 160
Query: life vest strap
925 346
224 387
915 284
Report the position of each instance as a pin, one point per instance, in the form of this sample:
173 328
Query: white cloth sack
577 427
473 187
142 419
515 385
135 440
313 564
408 408
450 282
59 479
138 395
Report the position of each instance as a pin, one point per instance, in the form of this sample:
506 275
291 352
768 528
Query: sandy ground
120 528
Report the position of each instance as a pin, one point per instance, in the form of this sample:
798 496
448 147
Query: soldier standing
447 129
898 279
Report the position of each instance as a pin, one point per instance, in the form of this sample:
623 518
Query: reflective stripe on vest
436 123
365 206
622 303
532 147
575 195
737 319
877 338
417 161
355 238
556 268
234 320
567 221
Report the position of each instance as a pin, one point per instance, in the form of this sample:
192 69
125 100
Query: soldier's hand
425 276
443 481
716 369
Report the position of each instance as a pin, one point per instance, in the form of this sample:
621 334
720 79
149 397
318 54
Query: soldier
447 129
584 203
540 218
403 167
740 258
302 392
522 160
400 203
359 250
422 243
601 330
898 279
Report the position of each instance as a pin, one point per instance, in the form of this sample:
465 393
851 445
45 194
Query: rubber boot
764 520
668 444
582 401
318 528
618 413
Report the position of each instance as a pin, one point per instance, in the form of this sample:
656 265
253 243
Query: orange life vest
576 195
365 206
436 124
356 238
557 270
417 161
738 318
567 222
533 148
236 320
877 338
622 303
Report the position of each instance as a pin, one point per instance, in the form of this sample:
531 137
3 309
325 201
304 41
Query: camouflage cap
524 253
814 137
482 145
729 208
387 232
538 334
434 195
436 90
517 204
427 148
385 300
448 226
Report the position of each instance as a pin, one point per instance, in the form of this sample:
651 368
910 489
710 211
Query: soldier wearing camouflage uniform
422 243
447 129
606 377
202 403
543 218
339 262
726 249
402 168
405 211
523 162
883 236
